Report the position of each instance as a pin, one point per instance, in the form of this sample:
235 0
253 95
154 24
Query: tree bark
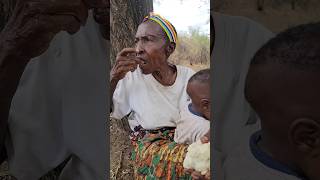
126 15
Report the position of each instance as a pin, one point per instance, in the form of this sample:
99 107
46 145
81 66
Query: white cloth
190 127
59 109
236 41
152 104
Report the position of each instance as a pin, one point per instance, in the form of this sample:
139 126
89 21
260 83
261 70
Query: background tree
126 15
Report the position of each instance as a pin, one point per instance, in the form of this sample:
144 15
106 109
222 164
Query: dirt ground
120 148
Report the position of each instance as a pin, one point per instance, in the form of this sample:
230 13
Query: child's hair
296 50
202 76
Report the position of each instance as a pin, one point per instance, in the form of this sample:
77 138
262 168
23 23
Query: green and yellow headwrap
165 24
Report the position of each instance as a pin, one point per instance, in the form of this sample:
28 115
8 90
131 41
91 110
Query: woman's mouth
141 61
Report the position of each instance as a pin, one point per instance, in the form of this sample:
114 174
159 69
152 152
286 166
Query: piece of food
198 157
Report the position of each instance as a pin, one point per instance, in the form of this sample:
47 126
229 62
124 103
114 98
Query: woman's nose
139 48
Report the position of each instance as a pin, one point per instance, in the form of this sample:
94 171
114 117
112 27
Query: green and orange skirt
157 156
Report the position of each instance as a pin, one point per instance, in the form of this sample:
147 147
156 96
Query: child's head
198 89
283 87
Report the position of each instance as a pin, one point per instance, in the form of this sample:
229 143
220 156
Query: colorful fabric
165 24
157 156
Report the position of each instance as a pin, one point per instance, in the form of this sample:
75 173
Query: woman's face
151 47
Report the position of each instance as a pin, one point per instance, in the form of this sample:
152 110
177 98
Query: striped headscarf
165 25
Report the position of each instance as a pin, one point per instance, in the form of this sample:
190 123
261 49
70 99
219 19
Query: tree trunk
126 15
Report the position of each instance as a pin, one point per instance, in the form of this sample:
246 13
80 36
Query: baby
194 122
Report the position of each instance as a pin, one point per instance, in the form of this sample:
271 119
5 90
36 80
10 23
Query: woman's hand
205 138
196 174
125 62
34 24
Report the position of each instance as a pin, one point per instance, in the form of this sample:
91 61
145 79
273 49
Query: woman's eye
144 39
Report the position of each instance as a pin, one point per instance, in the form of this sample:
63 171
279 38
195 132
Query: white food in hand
198 157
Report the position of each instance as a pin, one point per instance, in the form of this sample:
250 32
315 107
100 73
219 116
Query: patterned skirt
157 156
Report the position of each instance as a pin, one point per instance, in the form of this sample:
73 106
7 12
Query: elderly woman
146 86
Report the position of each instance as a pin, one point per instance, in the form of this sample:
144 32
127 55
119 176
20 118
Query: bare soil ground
120 148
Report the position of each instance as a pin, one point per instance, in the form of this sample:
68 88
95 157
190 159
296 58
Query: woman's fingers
125 62
207 175
38 21
124 69
125 65
120 71
126 52
196 175
189 171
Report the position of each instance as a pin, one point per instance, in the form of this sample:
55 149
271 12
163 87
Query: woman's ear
304 134
170 48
